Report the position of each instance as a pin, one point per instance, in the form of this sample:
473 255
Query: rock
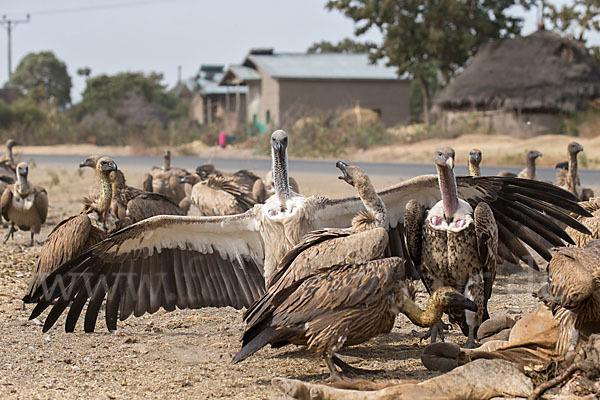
494 325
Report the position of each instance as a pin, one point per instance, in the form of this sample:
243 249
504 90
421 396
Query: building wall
302 97
220 104
511 123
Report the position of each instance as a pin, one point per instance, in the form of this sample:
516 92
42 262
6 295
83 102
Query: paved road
588 177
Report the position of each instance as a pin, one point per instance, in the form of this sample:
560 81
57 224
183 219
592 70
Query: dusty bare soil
182 354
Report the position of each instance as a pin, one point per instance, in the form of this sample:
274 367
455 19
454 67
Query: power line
10 24
98 7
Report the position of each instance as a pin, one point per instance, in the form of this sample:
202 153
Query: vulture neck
447 183
22 186
103 203
531 168
280 177
572 172
432 314
372 202
474 169
9 154
166 163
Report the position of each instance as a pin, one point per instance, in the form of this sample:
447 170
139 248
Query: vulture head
448 298
206 170
279 142
354 176
10 143
475 156
91 162
192 179
533 154
22 170
105 165
444 157
574 148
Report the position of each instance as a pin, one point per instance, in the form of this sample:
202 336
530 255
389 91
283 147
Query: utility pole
10 24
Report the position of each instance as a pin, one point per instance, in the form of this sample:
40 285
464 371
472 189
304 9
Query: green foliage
346 45
106 92
574 18
416 93
85 71
44 78
424 35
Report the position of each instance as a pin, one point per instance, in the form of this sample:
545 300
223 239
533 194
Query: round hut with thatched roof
520 86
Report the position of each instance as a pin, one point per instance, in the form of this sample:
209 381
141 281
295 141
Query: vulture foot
348 369
436 330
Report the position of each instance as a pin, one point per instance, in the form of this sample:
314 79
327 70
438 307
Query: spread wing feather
164 261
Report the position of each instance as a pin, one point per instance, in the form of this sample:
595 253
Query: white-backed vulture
529 171
573 291
567 176
343 306
92 162
73 235
132 205
454 246
9 157
474 161
165 180
219 195
24 205
224 260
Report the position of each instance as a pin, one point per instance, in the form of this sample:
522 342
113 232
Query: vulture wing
520 207
163 261
5 202
7 171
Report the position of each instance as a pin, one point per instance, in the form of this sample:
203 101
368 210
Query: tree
346 45
44 77
85 72
574 20
421 35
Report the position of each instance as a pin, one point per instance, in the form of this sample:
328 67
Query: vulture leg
31 244
334 375
11 233
474 291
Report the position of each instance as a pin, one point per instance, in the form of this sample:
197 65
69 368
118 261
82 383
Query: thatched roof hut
542 72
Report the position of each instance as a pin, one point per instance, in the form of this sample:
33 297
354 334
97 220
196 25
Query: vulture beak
109 166
17 143
580 148
457 300
476 157
345 177
87 163
539 154
450 161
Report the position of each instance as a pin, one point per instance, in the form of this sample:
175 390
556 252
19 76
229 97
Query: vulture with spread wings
193 262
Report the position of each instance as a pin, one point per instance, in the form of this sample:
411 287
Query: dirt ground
186 353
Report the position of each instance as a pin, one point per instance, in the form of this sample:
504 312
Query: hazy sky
111 36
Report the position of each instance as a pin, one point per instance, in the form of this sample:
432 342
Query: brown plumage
573 291
529 171
220 195
592 223
343 306
24 205
234 254
474 161
364 241
568 178
454 246
73 235
132 205
166 180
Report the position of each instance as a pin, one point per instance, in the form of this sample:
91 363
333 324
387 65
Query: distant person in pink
223 140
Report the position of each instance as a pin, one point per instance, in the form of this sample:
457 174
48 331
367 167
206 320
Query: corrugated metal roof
212 86
321 66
